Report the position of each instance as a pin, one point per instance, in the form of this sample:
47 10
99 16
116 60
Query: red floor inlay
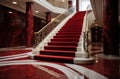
29 72
13 52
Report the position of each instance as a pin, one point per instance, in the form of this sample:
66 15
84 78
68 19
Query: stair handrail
86 29
41 34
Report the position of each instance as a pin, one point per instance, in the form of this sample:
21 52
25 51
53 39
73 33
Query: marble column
29 24
77 5
110 28
69 4
48 17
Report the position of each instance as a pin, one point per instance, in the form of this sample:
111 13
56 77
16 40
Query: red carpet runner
62 47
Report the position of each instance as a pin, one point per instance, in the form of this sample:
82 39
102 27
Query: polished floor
16 64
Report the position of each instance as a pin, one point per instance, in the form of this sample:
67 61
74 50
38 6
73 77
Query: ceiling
38 10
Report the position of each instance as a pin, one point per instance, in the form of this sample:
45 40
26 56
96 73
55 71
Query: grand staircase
64 44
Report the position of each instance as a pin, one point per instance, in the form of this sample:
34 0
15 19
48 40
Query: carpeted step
65 39
63 43
75 26
67 36
68 48
72 28
58 53
50 58
71 33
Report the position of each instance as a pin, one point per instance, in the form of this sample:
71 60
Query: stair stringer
81 55
51 35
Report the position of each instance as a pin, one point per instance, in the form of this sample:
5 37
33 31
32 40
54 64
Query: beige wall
97 6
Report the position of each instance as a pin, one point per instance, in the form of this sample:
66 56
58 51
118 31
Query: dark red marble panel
111 28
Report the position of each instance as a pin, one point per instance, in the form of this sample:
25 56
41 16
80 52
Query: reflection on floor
16 64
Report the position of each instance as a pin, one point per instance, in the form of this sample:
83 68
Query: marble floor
16 64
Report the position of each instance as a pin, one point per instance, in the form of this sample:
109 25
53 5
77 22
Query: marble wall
13 26
111 28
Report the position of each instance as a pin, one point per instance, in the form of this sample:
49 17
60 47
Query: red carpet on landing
63 46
